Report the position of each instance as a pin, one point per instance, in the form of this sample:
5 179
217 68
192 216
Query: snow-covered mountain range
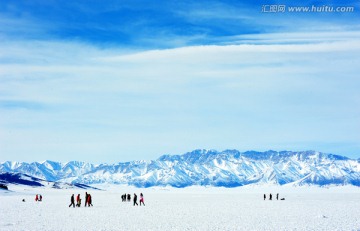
229 168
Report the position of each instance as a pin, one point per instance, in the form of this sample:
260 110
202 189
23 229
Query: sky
115 81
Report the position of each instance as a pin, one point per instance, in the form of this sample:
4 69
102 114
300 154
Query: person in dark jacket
86 198
264 196
135 199
72 201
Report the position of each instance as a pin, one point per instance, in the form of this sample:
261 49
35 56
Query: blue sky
125 80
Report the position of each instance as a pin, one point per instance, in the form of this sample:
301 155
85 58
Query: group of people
38 197
127 197
270 197
88 200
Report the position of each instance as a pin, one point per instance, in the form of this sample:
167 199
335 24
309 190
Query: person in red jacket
36 197
78 200
142 199
89 200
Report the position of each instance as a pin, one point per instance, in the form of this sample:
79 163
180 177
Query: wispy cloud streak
284 96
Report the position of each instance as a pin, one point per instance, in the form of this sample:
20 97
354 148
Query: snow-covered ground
194 208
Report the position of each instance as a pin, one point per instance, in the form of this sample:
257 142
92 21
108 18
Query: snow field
194 208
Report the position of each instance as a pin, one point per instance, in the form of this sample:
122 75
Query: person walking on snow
277 196
142 199
36 197
72 201
135 200
89 200
78 200
264 196
86 198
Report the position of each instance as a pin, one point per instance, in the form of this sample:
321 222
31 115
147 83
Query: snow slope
192 208
9 179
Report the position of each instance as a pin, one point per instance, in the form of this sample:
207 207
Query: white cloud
326 36
214 11
254 96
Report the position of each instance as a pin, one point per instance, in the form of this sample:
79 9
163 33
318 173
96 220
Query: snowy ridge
26 180
229 168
